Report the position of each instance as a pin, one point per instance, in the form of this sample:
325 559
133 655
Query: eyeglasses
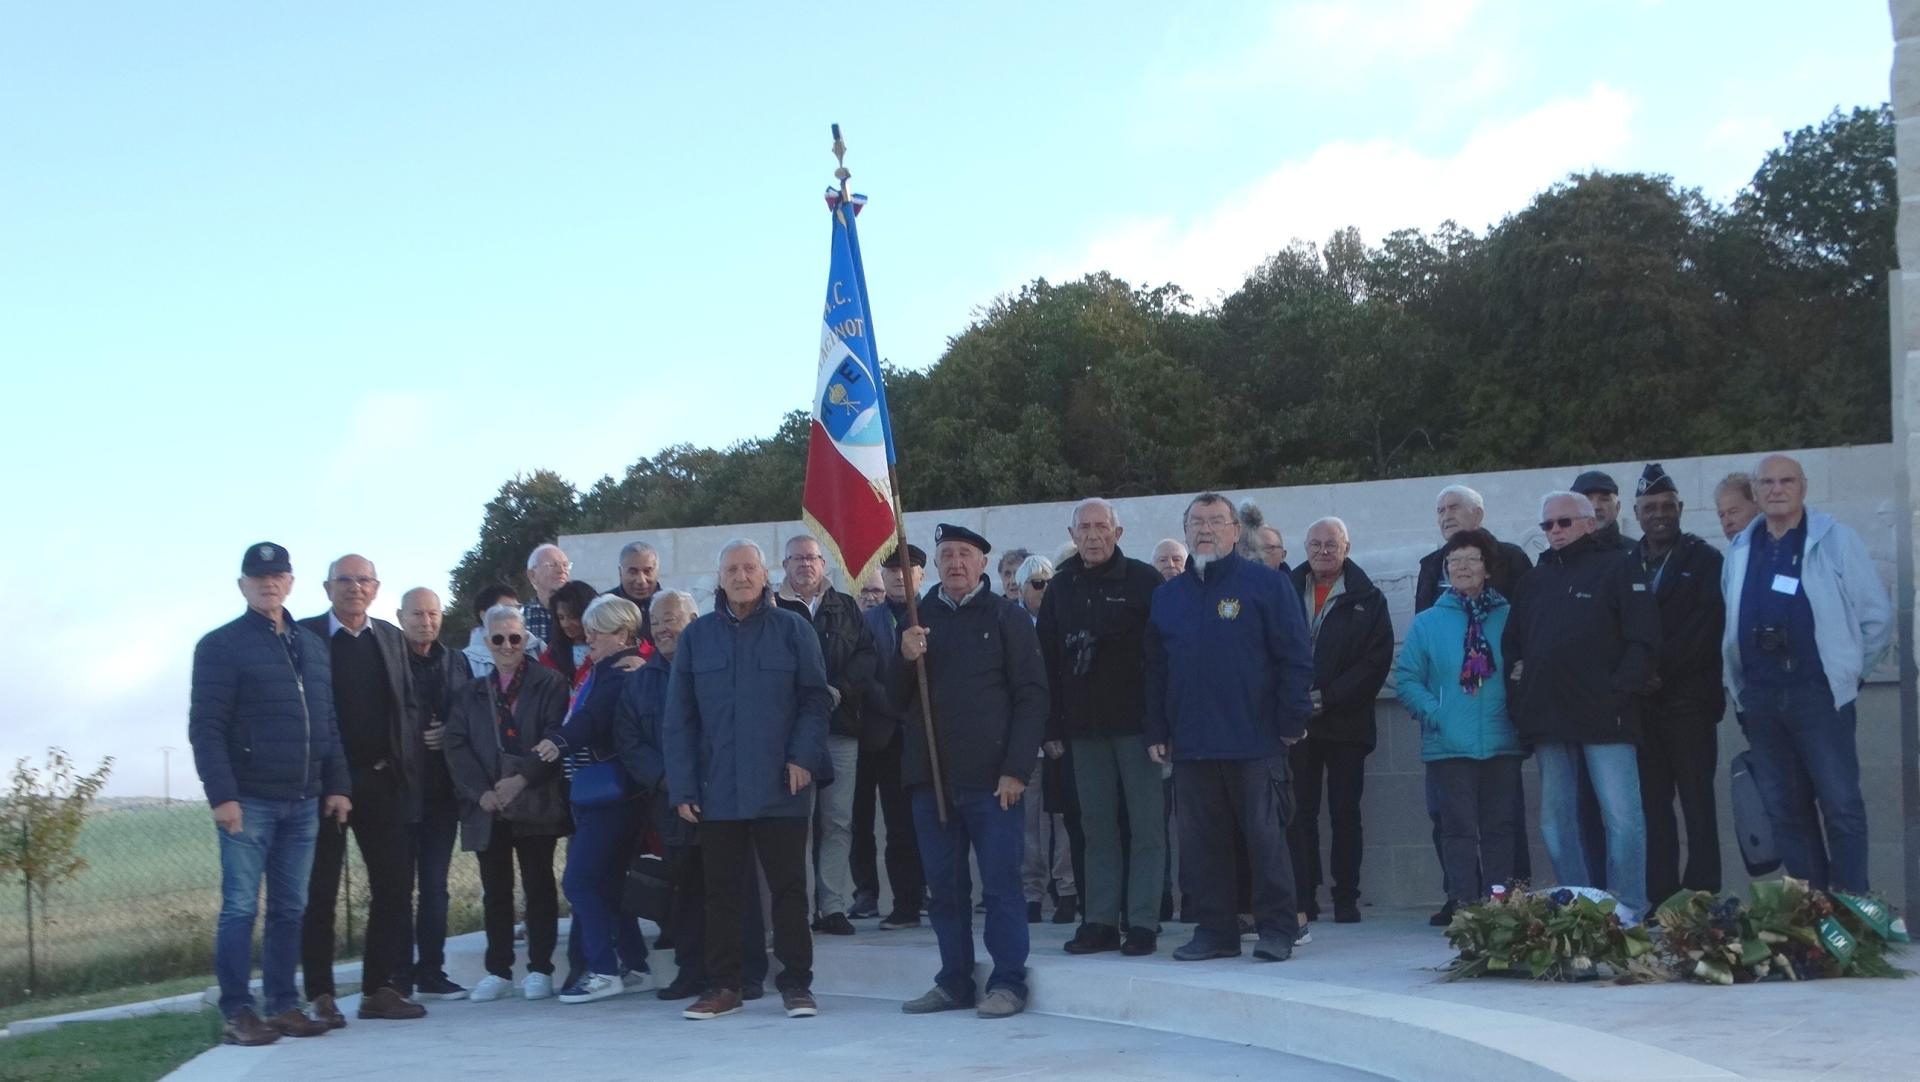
1562 522
1466 559
505 640
1323 546
344 581
814 558
553 565
1037 584
1217 522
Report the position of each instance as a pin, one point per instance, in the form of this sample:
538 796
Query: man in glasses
1092 627
1684 701
548 569
373 702
847 646
1229 669
1807 616
265 746
1581 646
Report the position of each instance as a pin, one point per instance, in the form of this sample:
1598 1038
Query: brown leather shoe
389 1004
713 1005
245 1027
326 1010
291 1023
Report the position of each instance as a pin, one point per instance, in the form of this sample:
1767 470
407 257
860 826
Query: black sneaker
1067 910
865 906
1140 941
679 989
1348 912
752 990
897 920
834 924
438 987
1093 939
1443 918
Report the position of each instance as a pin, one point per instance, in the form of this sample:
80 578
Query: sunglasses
1563 523
1037 584
502 640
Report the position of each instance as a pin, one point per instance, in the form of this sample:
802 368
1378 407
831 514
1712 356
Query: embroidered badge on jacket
1229 608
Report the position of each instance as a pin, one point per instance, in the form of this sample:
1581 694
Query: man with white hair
438 674
548 569
744 734
1581 644
1461 508
1169 557
1092 629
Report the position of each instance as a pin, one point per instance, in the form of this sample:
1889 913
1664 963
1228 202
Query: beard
1199 560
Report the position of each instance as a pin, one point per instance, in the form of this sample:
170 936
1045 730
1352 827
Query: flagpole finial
840 155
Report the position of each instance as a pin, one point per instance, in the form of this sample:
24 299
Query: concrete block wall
1392 526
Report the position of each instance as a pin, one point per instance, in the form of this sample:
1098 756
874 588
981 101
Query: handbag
648 891
598 784
1750 823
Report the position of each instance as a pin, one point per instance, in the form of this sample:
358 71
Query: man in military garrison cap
1680 574
988 687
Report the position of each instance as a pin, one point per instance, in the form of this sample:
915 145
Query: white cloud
1303 42
1377 185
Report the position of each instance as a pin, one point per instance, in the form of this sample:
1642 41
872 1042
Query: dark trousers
1338 769
1522 861
1477 823
1679 753
997 838
431 851
379 825
604 841
726 848
690 919
1254 794
535 854
878 773
1804 755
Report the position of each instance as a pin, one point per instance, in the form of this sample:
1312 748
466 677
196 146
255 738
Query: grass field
128 1050
144 908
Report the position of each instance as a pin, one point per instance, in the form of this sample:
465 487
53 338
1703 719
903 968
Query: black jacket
989 690
847 647
475 760
1610 536
1505 579
1352 651
259 727
1587 641
436 678
646 612
1093 636
404 745
1692 617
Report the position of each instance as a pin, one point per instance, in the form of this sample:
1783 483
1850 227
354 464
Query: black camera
1080 650
1772 639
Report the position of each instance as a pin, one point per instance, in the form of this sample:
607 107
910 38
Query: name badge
1639 587
1786 584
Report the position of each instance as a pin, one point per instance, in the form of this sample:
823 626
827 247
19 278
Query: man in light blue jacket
1807 616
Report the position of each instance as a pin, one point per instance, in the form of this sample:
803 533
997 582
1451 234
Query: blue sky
327 275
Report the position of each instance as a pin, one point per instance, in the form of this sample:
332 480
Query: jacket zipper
306 716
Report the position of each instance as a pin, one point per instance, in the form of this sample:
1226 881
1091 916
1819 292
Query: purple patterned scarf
1477 665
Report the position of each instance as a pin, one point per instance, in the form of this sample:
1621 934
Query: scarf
1477 664
503 702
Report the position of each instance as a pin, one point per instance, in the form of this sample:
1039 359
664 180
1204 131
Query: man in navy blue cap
1603 493
264 743
881 747
988 687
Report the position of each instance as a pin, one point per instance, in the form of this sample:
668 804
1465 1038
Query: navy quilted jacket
258 728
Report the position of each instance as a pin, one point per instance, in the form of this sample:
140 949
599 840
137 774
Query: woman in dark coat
512 805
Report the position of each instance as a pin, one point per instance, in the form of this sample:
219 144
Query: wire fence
144 907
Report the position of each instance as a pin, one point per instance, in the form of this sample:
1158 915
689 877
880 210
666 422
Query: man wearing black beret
988 688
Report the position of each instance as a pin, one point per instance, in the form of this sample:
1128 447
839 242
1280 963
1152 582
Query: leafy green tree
40 820
529 510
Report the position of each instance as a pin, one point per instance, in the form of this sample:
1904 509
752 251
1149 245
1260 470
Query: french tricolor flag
848 498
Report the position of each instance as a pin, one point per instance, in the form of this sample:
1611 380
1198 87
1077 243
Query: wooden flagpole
841 174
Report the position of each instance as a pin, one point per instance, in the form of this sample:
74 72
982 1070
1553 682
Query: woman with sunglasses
512 805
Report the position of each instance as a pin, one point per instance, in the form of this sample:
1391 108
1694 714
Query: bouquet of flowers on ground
1788 931
1562 935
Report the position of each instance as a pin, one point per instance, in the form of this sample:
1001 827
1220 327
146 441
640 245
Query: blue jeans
597 857
432 841
998 839
1803 752
1615 772
275 841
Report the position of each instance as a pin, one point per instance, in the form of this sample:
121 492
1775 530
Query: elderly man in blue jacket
745 733
262 729
1229 670
1807 617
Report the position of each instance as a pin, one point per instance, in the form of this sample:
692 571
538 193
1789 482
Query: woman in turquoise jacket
1452 678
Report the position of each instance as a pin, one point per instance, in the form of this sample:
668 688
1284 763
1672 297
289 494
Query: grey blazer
475 761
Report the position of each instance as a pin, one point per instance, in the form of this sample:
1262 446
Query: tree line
1617 315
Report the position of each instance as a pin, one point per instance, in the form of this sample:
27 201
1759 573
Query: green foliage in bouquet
1558 936
1788 931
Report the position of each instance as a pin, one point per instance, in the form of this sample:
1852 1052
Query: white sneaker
491 988
636 980
596 986
537 986
1305 937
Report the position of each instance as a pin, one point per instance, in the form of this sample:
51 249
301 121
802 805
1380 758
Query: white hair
611 614
1335 522
533 558
638 548
1581 504
1031 566
1472 497
743 543
664 598
787 549
1174 541
1113 513
503 612
350 556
